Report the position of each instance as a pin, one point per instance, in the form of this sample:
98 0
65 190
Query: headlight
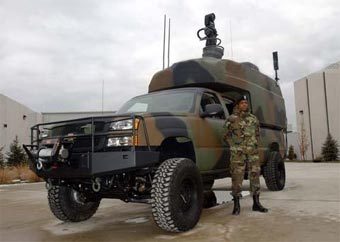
122 125
43 134
120 141
45 153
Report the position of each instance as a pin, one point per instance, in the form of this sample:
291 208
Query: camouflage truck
164 148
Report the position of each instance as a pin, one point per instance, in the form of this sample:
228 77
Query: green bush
291 153
16 155
330 149
2 158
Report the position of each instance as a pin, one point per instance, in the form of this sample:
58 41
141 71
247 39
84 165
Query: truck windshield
160 102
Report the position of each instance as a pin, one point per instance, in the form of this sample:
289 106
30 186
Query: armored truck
164 148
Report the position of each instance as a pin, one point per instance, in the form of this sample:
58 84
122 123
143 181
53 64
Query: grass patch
19 173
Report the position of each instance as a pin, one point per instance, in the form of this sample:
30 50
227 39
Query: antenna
103 97
276 64
169 43
164 30
231 40
212 45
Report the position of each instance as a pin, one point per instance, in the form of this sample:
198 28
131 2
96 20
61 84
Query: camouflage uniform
242 133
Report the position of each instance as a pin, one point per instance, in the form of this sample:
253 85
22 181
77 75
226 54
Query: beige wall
302 105
317 123
333 97
12 114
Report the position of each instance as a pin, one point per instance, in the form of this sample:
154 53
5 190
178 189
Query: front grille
82 144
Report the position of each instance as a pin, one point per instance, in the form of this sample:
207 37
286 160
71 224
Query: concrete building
15 120
317 103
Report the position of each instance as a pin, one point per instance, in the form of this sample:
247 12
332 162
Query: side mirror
212 110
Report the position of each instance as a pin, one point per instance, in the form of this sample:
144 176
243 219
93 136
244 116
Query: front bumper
85 162
87 165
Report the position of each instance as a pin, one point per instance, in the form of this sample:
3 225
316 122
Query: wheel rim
187 195
77 197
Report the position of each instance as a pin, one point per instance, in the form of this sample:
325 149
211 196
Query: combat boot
257 205
237 208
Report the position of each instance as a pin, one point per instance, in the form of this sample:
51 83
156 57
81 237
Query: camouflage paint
205 134
223 76
228 78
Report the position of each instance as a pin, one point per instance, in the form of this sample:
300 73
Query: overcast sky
55 54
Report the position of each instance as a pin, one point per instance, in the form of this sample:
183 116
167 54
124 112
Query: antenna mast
231 40
164 29
169 43
276 65
103 96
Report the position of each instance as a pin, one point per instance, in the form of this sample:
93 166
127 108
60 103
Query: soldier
242 133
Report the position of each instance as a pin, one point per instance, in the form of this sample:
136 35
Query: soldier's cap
241 98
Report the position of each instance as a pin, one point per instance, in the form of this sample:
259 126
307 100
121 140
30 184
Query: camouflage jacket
241 130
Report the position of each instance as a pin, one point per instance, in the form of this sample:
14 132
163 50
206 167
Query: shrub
16 156
291 153
2 158
330 149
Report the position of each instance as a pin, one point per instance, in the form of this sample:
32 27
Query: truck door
212 150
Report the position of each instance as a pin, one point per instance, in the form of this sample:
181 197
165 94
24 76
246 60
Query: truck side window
229 104
209 98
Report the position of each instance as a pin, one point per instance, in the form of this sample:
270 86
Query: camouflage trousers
240 163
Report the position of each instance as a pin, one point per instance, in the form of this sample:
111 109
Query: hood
155 114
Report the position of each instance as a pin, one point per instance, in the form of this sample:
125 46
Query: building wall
301 108
15 120
314 108
317 111
333 100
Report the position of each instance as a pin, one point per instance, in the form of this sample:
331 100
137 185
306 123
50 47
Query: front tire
177 195
274 172
69 205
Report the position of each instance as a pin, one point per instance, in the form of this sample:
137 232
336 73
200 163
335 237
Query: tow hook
96 185
39 165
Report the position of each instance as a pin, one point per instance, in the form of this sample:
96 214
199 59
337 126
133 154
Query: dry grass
7 175
21 172
26 174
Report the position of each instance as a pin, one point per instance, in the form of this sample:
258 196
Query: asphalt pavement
308 209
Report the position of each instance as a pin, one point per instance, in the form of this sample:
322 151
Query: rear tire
69 205
177 195
274 172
